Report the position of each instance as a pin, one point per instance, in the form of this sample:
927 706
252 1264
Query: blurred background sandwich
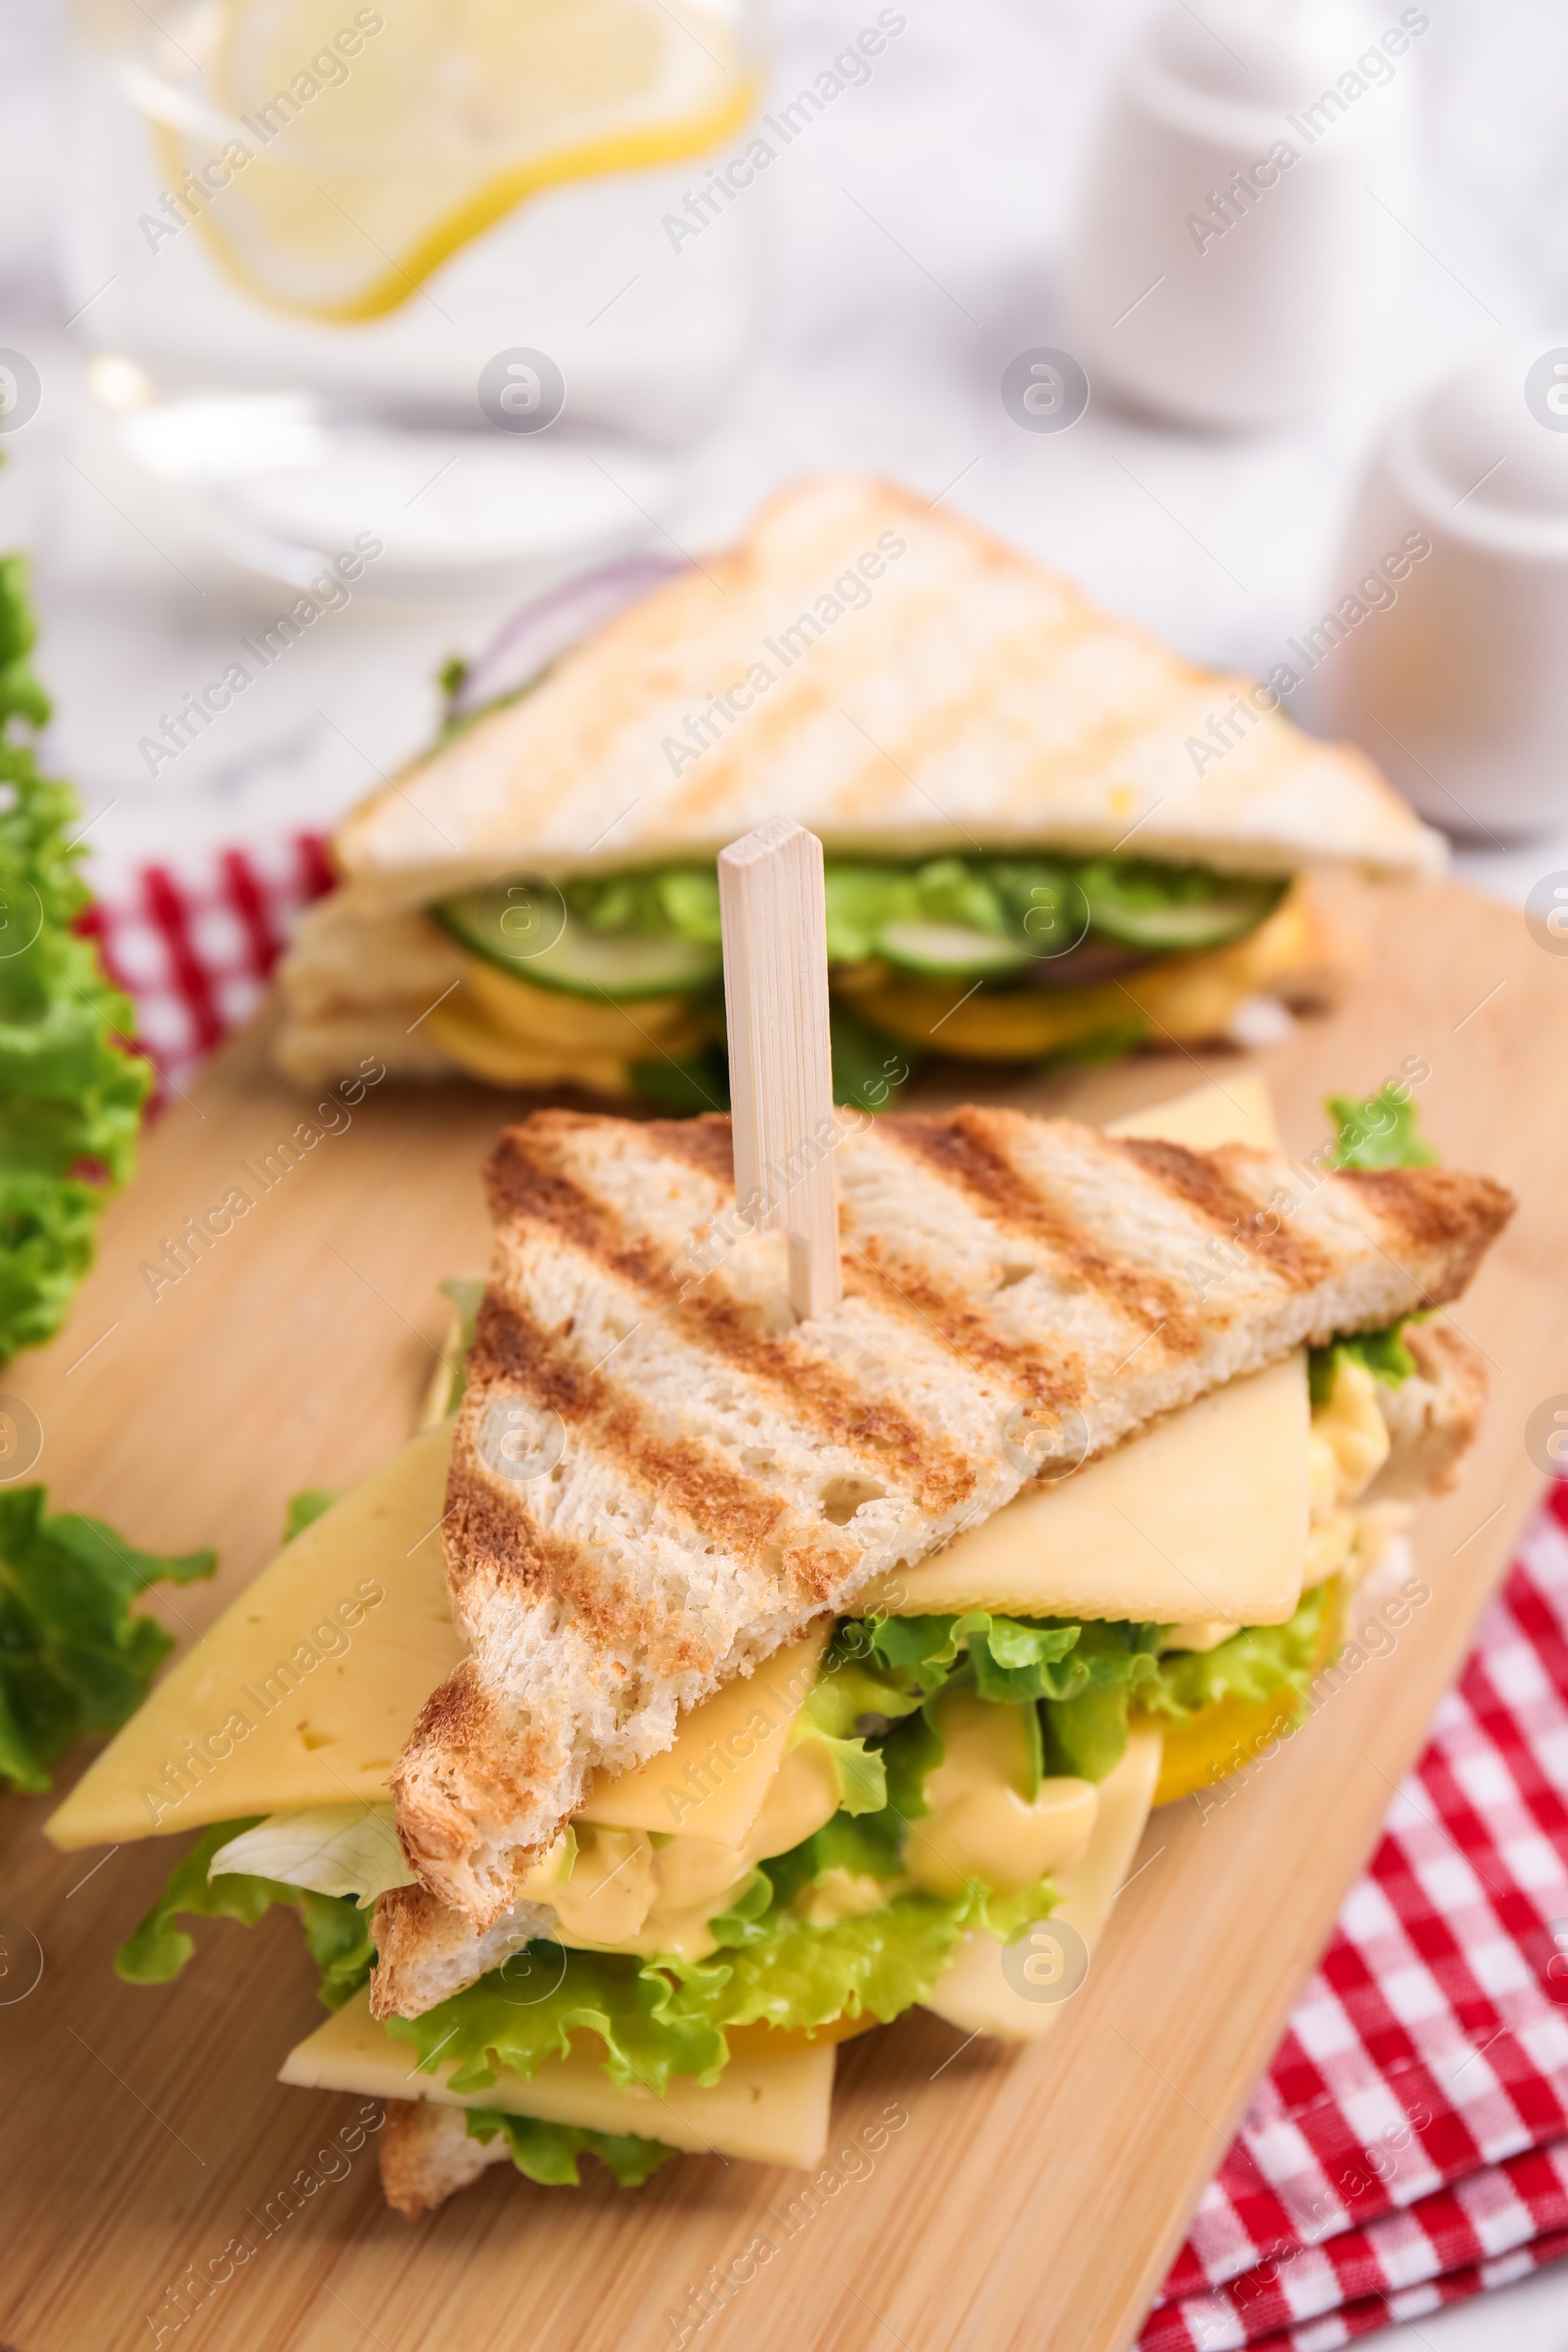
1046 833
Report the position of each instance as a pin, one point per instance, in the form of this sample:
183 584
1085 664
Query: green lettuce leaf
73 1656
1008 1658
1381 1132
870 1068
1083 1676
70 1096
547 2152
1384 1353
336 1931
877 1963
652 2018
861 1776
305 1507
350 1849
663 2017
1251 1666
684 1090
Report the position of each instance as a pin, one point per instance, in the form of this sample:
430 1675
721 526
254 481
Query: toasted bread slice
428 2155
884 673
658 1478
954 675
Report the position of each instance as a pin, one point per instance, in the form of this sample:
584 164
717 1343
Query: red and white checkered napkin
1409 2145
193 942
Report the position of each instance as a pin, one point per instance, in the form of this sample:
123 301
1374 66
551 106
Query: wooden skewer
775 913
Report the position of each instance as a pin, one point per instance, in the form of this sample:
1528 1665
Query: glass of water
460 275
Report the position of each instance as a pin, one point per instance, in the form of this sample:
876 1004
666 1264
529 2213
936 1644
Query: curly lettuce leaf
875 1963
336 1931
1082 1676
73 1656
1010 1658
662 2017
70 1096
1251 1666
548 2152
652 2018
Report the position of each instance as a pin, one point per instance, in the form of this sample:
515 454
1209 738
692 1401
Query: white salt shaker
1458 685
1220 267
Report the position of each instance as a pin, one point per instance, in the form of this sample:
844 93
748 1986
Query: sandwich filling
616 980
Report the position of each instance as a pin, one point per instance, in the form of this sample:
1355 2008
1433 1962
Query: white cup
1225 244
1459 688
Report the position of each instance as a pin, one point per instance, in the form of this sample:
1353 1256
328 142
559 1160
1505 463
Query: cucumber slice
534 939
1175 908
950 951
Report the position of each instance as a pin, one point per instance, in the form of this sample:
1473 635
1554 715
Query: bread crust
977 681
428 2155
1431 1416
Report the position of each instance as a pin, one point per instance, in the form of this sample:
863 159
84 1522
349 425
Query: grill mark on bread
920 1457
459 1717
913 1293
1200 1182
539 1564
965 1149
511 1353
703 1143
1438 1210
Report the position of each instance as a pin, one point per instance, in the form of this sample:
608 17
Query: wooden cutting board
1009 2198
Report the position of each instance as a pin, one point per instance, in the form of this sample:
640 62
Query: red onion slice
532 638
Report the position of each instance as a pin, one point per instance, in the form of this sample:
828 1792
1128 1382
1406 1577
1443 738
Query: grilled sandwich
1046 835
777 1678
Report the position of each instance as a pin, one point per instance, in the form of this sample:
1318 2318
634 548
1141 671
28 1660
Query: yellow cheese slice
762 2110
1238 1112
475 1042
1203 1517
977 1992
304 1691
712 1781
1176 997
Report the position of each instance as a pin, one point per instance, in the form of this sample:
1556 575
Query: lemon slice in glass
366 171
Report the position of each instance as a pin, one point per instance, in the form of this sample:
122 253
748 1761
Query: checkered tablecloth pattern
1409 2145
193 941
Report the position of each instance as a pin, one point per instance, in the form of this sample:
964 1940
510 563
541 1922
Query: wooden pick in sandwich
773 908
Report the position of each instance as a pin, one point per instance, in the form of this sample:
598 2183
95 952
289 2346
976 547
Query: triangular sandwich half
862 1820
1045 832
659 1479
